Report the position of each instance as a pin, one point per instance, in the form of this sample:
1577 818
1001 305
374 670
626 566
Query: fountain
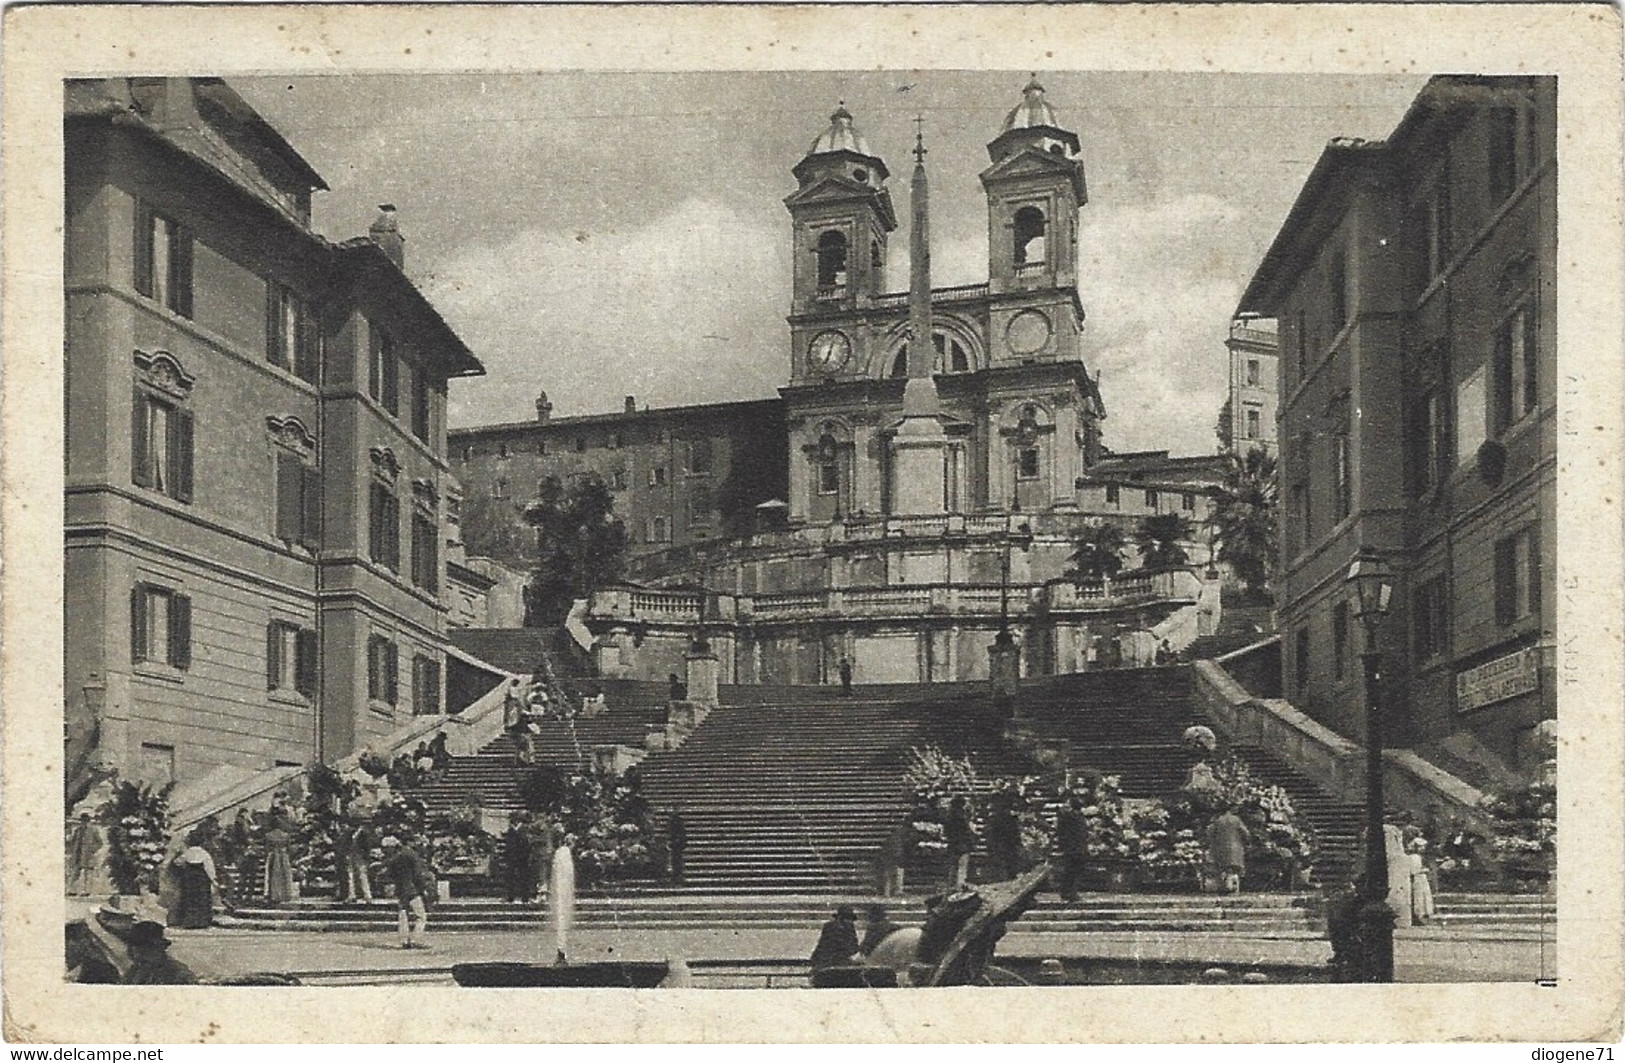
561 973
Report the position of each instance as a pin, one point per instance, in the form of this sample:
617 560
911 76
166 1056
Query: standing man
846 676
1071 842
518 880
1227 838
409 874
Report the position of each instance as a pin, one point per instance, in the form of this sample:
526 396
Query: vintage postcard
859 523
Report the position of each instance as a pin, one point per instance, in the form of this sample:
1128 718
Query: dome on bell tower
841 151
841 135
1033 110
1032 123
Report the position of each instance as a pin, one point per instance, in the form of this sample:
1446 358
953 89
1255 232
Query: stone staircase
1474 915
788 796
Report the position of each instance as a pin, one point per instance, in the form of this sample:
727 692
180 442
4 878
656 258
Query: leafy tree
1244 519
580 546
1225 426
495 527
1099 551
1160 541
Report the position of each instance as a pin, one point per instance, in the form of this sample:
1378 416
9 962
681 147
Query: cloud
1159 282
684 308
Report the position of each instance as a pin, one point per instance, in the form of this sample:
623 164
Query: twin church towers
998 410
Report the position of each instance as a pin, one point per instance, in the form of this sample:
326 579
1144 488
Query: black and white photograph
834 524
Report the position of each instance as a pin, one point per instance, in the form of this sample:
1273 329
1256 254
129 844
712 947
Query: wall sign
1497 680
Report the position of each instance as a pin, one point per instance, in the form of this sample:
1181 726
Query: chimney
386 233
544 409
631 405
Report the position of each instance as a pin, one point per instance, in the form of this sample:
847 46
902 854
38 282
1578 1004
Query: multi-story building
679 475
1248 422
1413 285
256 471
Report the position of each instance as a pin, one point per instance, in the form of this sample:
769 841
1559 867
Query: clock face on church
828 352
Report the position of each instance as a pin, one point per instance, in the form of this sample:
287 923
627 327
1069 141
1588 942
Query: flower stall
137 818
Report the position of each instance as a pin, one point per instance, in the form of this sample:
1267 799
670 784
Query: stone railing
1336 764
681 607
222 792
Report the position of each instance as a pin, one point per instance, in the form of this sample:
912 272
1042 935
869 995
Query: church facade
927 500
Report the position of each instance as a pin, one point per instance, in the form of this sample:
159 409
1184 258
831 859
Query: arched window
951 356
1029 236
829 467
874 254
831 260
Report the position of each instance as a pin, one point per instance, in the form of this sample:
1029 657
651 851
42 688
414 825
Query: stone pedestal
1004 666
702 677
919 456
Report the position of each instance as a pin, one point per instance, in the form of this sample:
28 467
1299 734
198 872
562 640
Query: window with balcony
831 260
160 626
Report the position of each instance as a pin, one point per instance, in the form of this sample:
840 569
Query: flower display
137 818
1523 835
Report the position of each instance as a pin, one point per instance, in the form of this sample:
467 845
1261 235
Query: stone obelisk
920 446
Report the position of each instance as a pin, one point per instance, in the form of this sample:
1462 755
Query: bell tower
841 214
1034 188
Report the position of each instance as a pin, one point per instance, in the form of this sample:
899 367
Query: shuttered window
382 670
385 528
425 686
298 501
163 260
160 626
161 446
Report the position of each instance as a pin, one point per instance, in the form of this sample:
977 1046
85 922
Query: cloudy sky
597 235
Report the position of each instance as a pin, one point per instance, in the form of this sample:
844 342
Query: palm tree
1159 540
1099 552
1244 519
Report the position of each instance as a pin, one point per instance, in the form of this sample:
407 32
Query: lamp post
1372 580
1025 435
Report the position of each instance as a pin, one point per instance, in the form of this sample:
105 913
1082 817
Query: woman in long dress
194 869
1399 874
279 886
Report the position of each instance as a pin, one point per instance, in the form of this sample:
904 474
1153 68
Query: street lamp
1372 579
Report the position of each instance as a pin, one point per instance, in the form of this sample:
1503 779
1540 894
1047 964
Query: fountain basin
606 975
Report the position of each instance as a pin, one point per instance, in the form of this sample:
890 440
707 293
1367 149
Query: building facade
1248 422
680 475
1414 288
256 481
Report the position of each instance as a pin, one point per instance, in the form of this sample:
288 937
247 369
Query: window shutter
180 631
392 383
305 662
275 351
143 249
431 572
374 674
273 655
180 271
376 531
392 672
140 458
1503 377
375 345
180 454
290 482
310 495
393 533
1531 360
308 347
138 623
1505 580
1532 538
